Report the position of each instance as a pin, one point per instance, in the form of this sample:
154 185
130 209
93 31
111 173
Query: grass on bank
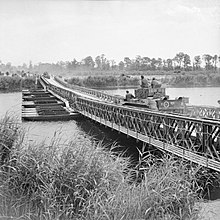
16 83
82 180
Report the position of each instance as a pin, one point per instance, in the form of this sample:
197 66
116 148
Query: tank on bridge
156 99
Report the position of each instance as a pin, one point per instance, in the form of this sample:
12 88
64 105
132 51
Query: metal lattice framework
195 139
92 92
203 111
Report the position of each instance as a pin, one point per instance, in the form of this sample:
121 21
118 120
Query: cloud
188 12
176 13
181 10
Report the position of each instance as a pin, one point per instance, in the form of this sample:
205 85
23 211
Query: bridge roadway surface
55 83
194 139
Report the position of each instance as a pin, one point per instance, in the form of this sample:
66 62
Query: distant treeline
181 61
15 84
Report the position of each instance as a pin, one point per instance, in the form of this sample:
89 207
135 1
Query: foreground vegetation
85 181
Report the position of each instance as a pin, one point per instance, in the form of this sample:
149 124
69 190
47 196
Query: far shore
122 87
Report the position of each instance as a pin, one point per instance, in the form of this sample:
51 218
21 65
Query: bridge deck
52 81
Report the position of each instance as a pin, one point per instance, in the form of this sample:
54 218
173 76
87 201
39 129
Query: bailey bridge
194 136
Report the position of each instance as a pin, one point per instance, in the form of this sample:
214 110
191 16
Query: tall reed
82 180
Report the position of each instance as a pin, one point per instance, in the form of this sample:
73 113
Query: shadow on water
125 145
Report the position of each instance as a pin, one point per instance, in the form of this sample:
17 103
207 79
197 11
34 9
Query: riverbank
16 83
179 81
82 180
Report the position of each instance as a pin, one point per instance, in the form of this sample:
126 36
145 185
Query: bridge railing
92 92
190 110
43 82
195 139
203 111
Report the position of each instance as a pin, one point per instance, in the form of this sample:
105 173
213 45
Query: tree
153 64
24 66
61 64
159 63
72 65
186 61
106 65
127 62
121 65
207 58
170 64
138 62
8 67
179 59
98 62
146 62
30 65
103 61
88 62
75 63
197 62
165 65
215 60
113 64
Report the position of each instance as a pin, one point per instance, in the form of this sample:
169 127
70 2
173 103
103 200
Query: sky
55 30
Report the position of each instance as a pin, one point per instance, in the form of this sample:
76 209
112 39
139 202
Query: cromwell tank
156 99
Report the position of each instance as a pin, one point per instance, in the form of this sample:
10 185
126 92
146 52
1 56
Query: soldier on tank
144 82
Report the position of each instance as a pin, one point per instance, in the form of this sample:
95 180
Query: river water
10 103
38 131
